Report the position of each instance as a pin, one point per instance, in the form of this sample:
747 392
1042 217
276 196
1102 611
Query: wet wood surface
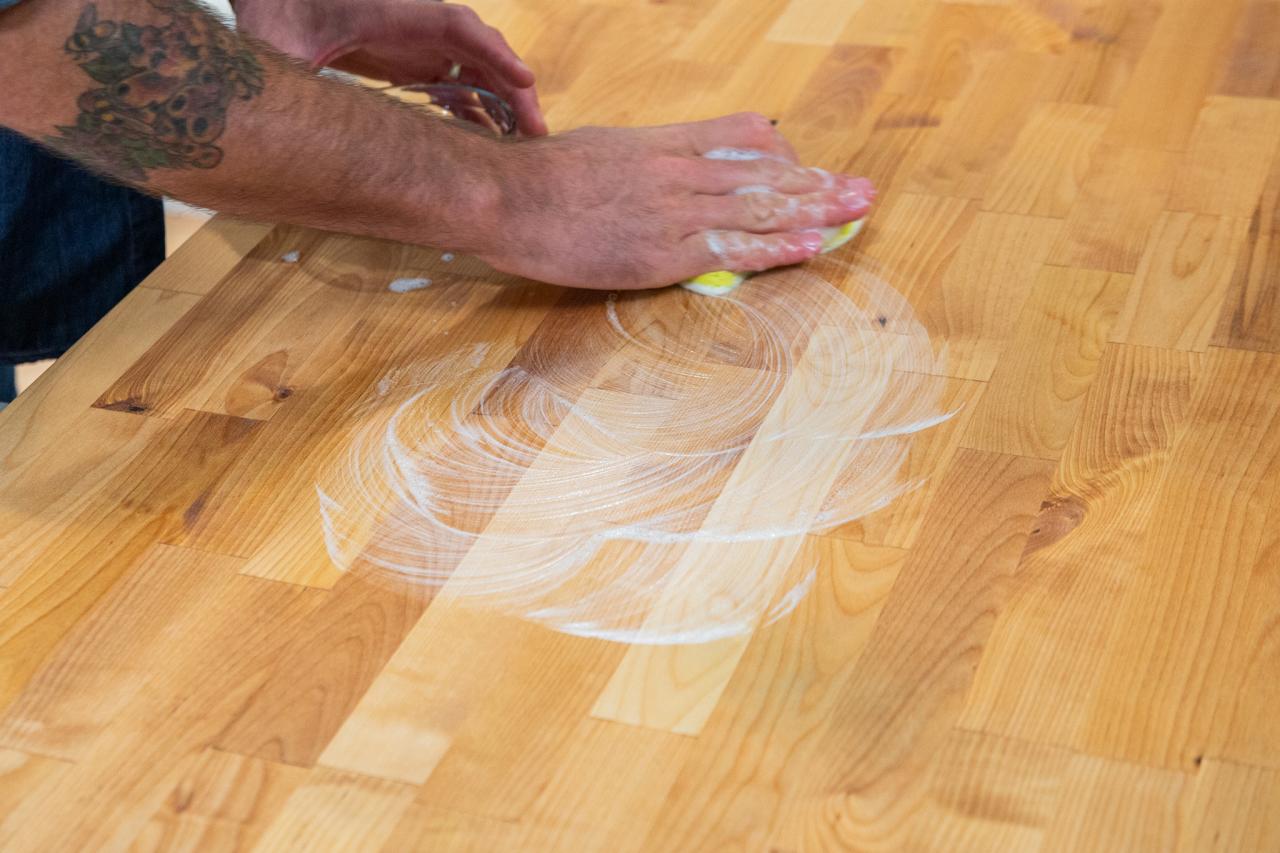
1066 640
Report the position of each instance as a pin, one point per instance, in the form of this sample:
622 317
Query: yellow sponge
714 283
723 281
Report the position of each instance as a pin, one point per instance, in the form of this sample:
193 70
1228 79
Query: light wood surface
1065 641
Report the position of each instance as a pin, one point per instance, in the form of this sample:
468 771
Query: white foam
404 285
737 154
653 482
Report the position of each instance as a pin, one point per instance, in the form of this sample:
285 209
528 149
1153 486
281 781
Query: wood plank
1185 613
990 793
1252 69
106 657
1064 640
1031 403
1182 282
1108 40
76 558
323 671
982 124
634 770
786 687
266 509
1038 676
1250 319
216 656
1123 194
38 420
1251 662
908 688
889 24
223 802
950 46
1232 807
823 120
898 127
1044 171
400 730
1186 44
1225 167
52 480
974 306
274 319
1111 805
812 21
675 687
335 810
21 772
208 255
752 87
898 525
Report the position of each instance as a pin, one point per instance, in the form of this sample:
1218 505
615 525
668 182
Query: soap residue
742 154
291 257
652 480
404 285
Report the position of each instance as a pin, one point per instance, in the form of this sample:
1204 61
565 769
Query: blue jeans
71 246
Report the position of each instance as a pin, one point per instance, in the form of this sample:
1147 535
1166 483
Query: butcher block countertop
1067 638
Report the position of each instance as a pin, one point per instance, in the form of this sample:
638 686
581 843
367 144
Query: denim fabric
8 384
71 247
5 4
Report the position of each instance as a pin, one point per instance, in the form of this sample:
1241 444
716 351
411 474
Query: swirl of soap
652 483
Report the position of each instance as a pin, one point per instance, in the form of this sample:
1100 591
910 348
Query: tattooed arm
157 93
160 95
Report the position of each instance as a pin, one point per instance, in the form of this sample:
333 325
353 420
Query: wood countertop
1064 640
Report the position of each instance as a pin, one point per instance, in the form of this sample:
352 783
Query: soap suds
738 154
447 257
404 285
291 257
655 481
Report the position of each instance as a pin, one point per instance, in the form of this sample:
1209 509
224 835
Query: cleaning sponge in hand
723 281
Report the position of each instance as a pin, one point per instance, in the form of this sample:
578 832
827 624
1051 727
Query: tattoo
163 94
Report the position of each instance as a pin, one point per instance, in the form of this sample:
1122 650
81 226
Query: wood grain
1249 317
1064 639
1030 405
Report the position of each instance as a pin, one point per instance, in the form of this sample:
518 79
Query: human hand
401 41
613 208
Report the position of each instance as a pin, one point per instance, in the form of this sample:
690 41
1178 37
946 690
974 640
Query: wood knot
283 393
132 405
1057 518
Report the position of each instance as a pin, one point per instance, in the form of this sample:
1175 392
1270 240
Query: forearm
158 94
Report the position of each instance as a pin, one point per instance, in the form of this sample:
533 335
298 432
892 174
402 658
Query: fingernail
853 199
811 241
861 185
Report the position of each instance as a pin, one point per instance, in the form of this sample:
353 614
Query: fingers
529 117
479 42
747 132
769 212
715 177
744 252
483 47
524 102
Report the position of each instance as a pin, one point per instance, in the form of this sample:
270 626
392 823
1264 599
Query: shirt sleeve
5 4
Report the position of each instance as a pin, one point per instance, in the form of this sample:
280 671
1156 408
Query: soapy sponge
723 281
